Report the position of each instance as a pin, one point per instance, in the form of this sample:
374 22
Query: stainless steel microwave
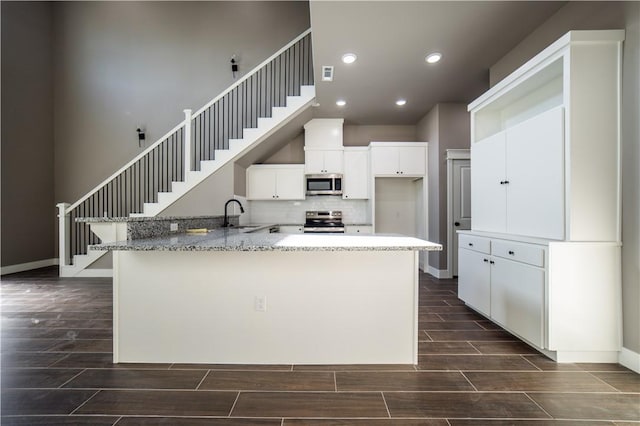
324 184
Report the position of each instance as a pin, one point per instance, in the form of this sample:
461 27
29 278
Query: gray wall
446 126
28 208
606 15
123 64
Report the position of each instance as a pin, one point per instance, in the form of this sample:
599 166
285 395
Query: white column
187 142
63 233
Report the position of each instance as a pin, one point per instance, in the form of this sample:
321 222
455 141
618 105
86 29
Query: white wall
396 206
293 212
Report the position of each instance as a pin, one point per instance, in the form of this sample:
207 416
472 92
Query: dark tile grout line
445 296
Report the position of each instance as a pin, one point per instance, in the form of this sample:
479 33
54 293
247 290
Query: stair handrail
253 71
182 150
187 121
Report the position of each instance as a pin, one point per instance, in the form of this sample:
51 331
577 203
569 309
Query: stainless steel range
324 222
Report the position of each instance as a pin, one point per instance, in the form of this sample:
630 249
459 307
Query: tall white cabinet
542 258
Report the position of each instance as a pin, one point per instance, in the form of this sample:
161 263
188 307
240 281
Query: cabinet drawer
526 253
474 243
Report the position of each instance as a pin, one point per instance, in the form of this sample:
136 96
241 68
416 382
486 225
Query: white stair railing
197 138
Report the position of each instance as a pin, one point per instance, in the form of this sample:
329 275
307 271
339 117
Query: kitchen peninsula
257 298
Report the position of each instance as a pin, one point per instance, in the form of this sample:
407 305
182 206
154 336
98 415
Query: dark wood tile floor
56 370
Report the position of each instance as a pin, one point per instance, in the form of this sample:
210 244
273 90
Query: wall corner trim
630 359
21 267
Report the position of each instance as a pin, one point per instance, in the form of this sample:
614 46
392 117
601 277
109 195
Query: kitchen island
255 298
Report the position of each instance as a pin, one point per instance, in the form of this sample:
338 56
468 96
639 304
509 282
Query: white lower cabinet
517 298
474 280
560 297
291 229
358 229
498 279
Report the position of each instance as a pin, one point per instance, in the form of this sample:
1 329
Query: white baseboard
630 359
12 269
96 273
439 273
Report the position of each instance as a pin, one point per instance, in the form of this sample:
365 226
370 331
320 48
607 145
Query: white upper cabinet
518 179
356 174
323 133
323 161
398 158
323 149
559 115
488 192
275 182
535 176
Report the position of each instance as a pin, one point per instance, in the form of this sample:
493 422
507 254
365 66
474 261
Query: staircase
227 127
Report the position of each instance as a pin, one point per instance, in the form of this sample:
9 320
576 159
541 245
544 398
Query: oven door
323 229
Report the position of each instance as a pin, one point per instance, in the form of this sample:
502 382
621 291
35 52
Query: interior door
461 204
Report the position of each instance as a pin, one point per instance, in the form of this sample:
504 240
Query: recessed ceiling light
341 102
349 58
401 102
433 57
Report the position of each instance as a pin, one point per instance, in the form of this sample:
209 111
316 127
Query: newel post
63 233
187 141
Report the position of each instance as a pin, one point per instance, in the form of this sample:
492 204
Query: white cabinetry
507 290
474 279
519 178
356 174
358 229
291 229
323 161
275 182
398 159
323 133
546 200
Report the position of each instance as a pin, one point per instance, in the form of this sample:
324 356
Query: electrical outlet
261 303
173 227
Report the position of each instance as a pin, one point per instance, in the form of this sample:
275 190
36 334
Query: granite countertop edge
145 218
234 240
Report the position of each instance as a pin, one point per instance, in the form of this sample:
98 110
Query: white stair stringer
107 232
237 147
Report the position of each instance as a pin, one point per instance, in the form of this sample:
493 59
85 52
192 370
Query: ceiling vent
327 73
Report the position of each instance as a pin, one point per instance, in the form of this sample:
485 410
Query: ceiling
391 40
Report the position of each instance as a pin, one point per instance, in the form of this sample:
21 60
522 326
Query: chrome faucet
226 217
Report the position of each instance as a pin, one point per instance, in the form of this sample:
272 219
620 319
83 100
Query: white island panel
322 307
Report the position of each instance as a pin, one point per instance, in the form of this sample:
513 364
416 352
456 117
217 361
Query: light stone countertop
145 218
236 240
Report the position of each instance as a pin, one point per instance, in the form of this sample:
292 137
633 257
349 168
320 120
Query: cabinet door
261 183
333 161
290 184
517 298
474 280
384 160
488 195
314 161
291 229
358 229
356 175
535 170
412 160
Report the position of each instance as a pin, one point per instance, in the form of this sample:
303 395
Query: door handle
457 223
